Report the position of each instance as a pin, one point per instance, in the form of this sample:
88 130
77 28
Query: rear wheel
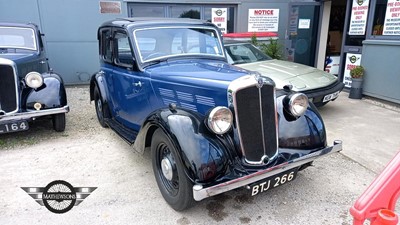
59 122
171 179
101 108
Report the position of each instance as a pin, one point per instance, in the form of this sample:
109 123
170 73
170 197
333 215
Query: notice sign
359 14
352 60
219 18
110 7
392 18
262 20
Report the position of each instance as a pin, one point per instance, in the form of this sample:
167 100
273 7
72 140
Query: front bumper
318 94
199 192
33 114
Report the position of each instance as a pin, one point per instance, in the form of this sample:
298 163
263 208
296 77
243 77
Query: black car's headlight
34 80
296 104
220 120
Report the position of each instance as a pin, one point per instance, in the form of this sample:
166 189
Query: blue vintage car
165 84
28 88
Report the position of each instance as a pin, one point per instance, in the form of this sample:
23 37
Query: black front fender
203 155
98 80
51 95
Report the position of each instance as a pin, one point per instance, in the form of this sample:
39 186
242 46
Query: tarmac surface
87 155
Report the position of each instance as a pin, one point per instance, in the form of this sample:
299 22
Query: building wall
70 29
382 71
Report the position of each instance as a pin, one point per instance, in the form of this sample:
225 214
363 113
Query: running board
125 133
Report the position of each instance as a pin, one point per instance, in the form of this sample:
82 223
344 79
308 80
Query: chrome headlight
34 80
298 104
220 120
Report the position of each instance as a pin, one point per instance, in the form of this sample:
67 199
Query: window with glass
17 38
181 11
106 46
178 41
123 55
386 20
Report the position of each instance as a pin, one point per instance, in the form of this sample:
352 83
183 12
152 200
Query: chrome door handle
138 84
42 62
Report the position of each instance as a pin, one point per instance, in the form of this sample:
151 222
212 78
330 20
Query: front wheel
171 179
59 122
101 108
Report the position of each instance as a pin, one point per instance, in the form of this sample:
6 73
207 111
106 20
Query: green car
320 86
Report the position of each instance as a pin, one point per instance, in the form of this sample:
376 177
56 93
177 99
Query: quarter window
106 45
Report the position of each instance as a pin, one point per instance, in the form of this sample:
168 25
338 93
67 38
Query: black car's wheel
101 108
59 122
171 179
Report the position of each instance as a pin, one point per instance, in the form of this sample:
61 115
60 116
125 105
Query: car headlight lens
34 80
220 120
298 104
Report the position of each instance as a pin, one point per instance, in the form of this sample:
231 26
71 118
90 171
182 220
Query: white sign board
219 18
352 60
359 14
263 20
304 23
392 18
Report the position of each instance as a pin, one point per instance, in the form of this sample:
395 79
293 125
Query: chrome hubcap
166 168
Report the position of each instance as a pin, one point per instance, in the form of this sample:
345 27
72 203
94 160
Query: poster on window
219 18
359 14
392 18
263 20
352 60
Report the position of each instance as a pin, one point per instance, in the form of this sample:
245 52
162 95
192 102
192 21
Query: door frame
287 41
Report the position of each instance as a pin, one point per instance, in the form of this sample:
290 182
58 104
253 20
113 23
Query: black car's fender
50 95
98 80
202 154
306 132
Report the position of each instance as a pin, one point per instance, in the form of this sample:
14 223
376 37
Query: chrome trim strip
16 81
262 121
34 114
200 193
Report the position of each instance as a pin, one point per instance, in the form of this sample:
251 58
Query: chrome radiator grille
8 92
256 120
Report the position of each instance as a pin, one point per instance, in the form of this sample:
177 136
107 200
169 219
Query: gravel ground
87 155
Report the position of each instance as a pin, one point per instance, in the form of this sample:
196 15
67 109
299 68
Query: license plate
14 126
273 182
331 96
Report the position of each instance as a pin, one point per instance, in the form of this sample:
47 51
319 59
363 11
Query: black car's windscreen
18 38
157 43
244 53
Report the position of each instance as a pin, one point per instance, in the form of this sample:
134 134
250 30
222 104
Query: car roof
27 25
151 21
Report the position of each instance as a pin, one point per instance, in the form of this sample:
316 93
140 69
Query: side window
106 45
123 52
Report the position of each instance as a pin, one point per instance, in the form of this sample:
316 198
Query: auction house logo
59 196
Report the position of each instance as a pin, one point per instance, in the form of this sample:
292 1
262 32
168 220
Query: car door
131 88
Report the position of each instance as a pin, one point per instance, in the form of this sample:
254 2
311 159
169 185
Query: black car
165 84
28 87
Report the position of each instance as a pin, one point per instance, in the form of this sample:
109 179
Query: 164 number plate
13 126
273 181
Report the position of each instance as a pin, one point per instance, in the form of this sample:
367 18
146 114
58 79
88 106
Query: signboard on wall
262 20
110 7
219 18
359 14
352 60
392 18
